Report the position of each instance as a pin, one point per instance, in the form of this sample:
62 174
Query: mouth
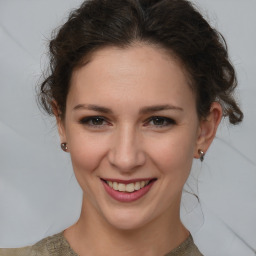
128 187
127 191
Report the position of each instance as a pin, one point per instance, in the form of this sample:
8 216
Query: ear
208 128
59 122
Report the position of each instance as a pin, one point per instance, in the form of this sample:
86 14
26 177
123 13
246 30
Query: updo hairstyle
173 25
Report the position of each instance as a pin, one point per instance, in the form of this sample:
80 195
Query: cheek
86 152
174 153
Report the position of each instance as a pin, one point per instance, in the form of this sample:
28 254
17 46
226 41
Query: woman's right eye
94 121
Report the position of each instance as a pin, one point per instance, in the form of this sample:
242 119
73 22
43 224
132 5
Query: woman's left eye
159 121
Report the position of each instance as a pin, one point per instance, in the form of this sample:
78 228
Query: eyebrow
144 110
94 108
156 108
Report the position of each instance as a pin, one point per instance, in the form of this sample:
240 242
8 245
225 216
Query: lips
127 191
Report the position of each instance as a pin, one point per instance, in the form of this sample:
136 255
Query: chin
127 220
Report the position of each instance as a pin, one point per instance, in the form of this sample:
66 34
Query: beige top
57 245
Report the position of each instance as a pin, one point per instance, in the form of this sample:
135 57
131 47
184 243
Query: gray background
39 195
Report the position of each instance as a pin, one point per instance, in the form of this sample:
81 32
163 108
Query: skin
126 143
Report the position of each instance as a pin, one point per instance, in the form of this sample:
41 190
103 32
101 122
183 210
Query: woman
138 89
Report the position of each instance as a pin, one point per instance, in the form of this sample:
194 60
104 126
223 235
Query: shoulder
187 248
24 251
53 245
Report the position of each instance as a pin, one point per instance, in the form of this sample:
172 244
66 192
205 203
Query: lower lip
127 196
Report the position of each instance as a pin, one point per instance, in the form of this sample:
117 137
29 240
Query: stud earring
201 155
64 146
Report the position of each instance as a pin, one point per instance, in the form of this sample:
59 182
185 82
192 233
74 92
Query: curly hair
174 25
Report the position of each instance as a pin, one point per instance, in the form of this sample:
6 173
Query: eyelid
87 119
168 121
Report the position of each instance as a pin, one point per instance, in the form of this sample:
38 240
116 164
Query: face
132 132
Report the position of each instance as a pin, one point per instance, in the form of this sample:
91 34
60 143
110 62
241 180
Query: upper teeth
131 187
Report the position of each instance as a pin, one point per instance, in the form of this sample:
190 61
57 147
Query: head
138 88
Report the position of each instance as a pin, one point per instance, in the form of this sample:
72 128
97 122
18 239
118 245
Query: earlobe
207 130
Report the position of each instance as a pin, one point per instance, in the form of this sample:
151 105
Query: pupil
158 121
97 121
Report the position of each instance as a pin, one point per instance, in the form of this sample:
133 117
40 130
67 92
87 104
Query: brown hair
174 25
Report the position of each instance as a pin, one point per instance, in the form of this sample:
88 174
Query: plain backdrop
39 195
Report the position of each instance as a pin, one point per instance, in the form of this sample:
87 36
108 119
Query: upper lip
127 181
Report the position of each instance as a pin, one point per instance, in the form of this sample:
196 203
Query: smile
130 187
127 191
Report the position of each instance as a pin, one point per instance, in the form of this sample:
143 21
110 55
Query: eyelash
167 121
89 121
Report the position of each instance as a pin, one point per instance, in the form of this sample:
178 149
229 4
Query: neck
93 235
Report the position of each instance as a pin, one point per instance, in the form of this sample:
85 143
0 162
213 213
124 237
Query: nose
126 153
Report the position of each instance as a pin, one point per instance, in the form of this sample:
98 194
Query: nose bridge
127 153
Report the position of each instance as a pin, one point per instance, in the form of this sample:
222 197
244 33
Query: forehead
141 73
